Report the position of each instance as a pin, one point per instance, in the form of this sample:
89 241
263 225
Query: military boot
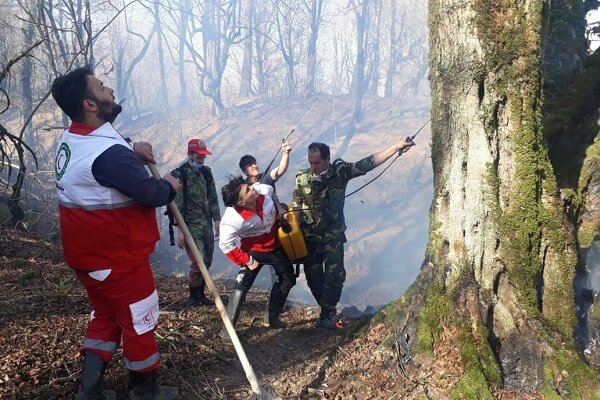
275 322
327 319
198 298
144 386
92 381
234 306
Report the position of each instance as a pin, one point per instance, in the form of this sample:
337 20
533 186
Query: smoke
593 267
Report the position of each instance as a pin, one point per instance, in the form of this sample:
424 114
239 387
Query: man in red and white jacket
251 215
108 224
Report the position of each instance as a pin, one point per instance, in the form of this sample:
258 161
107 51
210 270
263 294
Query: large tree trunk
502 253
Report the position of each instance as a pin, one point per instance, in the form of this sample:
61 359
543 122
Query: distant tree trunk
502 253
87 26
246 74
26 84
394 50
311 62
211 82
343 60
261 78
163 92
287 51
362 16
263 22
288 22
57 53
361 11
418 55
373 74
182 36
124 69
220 30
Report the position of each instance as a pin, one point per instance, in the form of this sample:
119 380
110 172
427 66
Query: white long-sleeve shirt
257 229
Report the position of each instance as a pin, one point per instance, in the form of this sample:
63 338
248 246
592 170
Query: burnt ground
44 310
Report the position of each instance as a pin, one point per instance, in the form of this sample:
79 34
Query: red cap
198 146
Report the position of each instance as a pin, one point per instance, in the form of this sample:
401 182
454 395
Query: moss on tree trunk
503 249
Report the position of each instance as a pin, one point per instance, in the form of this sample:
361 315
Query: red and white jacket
257 230
101 228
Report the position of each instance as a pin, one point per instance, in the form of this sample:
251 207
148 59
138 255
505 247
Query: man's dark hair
245 161
70 90
231 191
322 148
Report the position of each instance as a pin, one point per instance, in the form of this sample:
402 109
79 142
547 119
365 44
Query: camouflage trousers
205 241
324 271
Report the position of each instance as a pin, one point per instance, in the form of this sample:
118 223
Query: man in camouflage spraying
199 207
319 198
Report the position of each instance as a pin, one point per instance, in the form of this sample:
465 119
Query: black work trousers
286 278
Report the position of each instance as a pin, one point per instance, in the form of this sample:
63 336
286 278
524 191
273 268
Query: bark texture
503 253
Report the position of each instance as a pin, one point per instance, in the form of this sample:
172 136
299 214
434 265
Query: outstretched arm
382 156
283 164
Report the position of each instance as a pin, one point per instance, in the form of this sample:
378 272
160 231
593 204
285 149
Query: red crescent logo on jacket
149 319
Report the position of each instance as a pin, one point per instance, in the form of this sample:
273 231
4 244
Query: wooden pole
250 375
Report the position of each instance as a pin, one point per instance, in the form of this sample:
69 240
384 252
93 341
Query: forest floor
44 310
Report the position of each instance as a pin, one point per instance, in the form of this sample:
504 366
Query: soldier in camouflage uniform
319 198
199 207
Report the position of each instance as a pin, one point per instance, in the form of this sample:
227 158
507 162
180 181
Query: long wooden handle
250 375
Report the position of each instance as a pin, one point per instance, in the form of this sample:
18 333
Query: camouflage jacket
321 198
200 195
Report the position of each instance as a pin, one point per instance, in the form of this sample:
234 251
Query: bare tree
286 20
162 76
218 24
395 37
314 11
128 54
361 13
60 38
373 74
220 30
10 142
263 46
343 61
246 73
26 80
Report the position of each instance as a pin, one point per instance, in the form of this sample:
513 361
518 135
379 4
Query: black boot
197 298
327 319
275 306
144 386
92 381
234 306
275 322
